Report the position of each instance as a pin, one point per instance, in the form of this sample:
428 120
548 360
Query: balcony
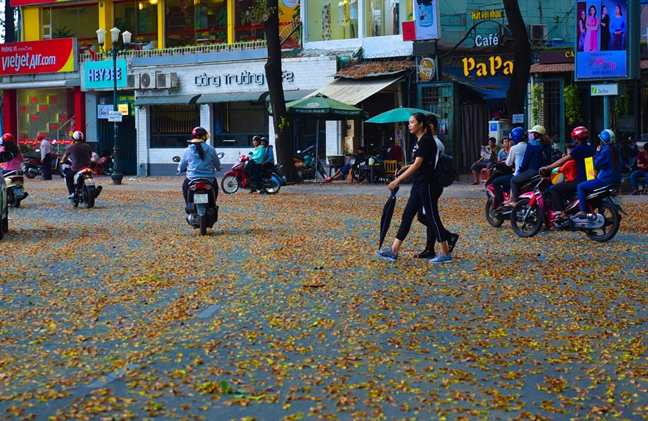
186 50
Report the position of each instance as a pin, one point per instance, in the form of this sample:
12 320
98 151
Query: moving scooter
15 188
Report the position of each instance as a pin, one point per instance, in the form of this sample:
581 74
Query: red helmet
7 137
199 133
41 136
580 132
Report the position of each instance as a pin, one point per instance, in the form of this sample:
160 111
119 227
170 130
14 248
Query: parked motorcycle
308 163
534 209
15 188
32 166
85 188
494 216
237 178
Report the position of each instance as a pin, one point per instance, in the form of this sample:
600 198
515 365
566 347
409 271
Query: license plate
19 191
616 200
89 182
200 198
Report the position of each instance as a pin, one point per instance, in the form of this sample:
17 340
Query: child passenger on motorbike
577 156
9 145
607 161
199 160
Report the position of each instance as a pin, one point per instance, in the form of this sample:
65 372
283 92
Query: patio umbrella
397 115
387 213
323 108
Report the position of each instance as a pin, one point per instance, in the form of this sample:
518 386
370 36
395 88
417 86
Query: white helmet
77 135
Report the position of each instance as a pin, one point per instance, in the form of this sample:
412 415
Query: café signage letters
489 41
490 68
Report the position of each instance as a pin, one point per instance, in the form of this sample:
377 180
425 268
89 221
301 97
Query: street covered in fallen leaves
283 312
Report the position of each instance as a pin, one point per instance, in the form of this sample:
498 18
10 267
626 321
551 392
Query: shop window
46 111
235 123
79 22
171 125
195 22
138 18
384 17
332 20
248 21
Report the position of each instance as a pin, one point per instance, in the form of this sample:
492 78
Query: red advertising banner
16 3
48 56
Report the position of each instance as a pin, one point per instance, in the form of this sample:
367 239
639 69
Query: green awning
166 100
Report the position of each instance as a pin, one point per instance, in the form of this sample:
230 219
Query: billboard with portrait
602 39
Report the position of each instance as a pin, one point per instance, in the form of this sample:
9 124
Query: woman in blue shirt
199 160
608 163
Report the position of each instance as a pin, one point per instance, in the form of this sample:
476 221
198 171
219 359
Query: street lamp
117 175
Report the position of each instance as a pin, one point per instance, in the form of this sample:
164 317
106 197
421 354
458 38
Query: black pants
501 184
558 190
519 180
426 197
47 167
185 190
69 180
430 242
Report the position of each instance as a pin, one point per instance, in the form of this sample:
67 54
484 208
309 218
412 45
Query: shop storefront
229 99
97 81
41 92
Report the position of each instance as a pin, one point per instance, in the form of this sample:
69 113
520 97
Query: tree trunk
517 91
283 138
10 29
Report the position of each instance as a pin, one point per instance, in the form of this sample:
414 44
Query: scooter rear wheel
230 184
493 221
612 223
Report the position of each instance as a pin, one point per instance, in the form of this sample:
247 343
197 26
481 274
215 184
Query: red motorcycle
534 209
494 216
237 178
32 166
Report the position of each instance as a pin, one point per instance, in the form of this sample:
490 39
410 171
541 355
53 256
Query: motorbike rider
514 159
580 136
79 153
199 160
9 145
46 156
537 154
256 159
607 161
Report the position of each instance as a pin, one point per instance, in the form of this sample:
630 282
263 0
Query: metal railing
193 49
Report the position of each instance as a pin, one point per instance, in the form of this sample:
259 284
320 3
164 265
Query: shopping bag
589 168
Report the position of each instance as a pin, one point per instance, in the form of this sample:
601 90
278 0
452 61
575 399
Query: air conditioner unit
167 81
147 80
538 32
133 80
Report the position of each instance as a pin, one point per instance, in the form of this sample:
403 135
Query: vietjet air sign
48 56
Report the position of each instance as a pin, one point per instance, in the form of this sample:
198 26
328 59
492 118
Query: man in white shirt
46 156
514 159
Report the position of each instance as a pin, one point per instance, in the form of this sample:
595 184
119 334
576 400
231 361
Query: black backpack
444 170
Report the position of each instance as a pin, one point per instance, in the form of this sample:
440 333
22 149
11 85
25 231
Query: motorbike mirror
176 159
250 153
220 155
6 156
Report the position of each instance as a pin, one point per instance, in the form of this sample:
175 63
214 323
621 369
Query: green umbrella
397 115
323 108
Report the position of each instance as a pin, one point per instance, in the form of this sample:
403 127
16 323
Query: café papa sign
489 67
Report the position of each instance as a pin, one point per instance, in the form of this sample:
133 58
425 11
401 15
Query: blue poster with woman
601 32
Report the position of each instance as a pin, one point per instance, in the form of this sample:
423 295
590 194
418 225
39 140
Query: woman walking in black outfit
425 191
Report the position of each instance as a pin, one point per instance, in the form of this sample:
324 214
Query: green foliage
622 105
572 104
284 124
537 103
63 32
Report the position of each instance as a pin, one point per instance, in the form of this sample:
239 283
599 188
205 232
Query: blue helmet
517 134
607 137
